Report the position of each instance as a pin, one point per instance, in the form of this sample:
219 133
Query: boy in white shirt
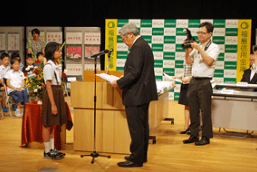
5 59
15 81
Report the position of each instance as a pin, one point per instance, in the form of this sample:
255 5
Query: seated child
30 64
16 55
15 85
41 57
5 59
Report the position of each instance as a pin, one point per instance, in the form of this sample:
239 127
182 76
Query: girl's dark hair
51 47
36 31
13 60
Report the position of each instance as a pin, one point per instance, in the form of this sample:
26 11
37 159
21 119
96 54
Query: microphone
110 52
100 53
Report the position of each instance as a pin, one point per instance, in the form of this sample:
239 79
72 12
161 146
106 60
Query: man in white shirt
202 55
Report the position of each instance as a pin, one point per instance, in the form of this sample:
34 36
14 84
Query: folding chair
1 109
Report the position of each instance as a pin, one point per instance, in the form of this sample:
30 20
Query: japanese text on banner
111 42
243 47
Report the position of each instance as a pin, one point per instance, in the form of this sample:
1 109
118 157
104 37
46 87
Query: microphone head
106 51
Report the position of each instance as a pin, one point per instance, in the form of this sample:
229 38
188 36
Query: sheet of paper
163 86
177 80
107 77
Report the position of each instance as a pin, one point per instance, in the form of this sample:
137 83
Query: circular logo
111 24
244 25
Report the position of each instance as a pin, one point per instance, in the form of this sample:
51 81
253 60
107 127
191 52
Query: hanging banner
243 47
111 43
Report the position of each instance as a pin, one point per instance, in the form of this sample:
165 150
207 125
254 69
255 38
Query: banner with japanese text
243 47
111 43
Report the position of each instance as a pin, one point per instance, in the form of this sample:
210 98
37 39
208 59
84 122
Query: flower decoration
35 80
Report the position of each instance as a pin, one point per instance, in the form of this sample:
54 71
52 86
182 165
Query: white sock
52 144
47 147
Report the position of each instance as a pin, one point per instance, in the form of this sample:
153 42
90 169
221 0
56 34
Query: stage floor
169 154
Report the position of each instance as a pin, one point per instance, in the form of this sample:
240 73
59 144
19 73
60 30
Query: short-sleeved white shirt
48 73
3 71
16 79
200 67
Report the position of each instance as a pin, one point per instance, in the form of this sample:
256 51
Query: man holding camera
202 55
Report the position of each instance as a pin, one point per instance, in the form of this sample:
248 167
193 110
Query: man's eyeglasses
202 33
122 37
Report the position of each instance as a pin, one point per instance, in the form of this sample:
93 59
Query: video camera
190 39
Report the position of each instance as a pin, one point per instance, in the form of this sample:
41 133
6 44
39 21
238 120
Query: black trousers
199 97
137 117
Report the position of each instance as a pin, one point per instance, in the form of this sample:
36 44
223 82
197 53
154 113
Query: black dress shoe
184 132
191 139
203 141
128 158
129 164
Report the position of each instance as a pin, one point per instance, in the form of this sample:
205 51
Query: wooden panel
112 134
118 99
99 95
107 96
82 94
83 130
89 76
99 130
108 131
155 113
121 133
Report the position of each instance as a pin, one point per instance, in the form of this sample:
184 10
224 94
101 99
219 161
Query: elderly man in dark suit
250 75
139 88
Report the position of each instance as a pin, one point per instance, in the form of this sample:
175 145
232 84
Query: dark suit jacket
246 77
138 83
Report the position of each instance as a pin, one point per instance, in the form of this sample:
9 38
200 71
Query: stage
169 154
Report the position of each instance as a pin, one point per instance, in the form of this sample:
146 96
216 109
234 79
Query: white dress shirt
200 67
48 72
253 71
3 71
16 79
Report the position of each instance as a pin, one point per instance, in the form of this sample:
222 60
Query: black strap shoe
184 132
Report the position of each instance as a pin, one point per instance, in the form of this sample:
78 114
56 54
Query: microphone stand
94 154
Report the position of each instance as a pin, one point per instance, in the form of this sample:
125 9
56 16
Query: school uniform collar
52 63
15 72
8 67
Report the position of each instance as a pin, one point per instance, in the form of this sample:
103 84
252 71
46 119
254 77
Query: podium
112 133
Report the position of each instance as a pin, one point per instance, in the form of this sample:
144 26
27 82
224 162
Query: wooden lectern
112 133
